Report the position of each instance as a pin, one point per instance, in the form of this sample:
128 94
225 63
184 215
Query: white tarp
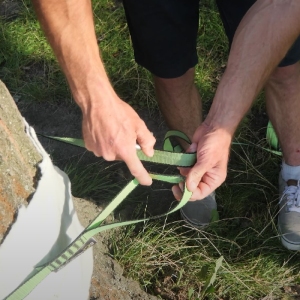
41 231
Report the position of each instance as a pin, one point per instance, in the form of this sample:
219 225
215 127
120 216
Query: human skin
111 128
283 105
180 103
262 39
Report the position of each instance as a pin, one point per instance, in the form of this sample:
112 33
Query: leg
283 105
164 36
180 102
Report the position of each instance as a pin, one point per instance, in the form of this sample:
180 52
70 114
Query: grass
174 261
167 257
92 181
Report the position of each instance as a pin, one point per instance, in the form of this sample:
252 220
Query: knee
172 84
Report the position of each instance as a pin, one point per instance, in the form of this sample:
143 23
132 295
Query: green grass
93 181
167 257
170 258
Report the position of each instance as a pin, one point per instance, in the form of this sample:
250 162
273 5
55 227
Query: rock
18 161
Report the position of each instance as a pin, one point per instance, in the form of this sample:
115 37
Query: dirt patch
108 281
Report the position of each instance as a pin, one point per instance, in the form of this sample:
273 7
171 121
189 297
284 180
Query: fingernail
149 182
151 152
192 148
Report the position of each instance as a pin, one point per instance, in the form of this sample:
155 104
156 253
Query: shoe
289 213
200 213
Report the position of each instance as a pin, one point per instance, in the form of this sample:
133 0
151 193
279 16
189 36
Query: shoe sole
290 246
190 222
207 209
287 244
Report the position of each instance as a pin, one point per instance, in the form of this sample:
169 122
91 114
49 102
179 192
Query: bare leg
283 105
180 102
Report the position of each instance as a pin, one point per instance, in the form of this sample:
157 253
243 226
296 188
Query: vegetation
239 256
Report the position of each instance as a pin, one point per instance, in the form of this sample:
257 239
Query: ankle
290 172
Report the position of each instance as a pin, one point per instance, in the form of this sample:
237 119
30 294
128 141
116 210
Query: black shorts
164 33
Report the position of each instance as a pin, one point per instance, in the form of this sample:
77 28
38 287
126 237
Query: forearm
110 127
69 28
261 41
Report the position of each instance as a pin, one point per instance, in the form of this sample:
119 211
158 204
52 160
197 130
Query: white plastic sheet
42 231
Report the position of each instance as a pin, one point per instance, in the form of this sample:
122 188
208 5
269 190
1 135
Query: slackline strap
85 239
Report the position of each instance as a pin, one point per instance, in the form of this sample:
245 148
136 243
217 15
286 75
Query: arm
111 127
262 39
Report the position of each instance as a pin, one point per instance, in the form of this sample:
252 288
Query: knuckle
151 141
196 173
136 172
202 152
124 153
97 154
142 124
223 176
109 156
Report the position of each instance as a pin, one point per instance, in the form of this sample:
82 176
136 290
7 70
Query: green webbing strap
160 157
168 144
85 239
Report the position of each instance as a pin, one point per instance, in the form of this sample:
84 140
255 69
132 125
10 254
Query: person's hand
111 129
210 170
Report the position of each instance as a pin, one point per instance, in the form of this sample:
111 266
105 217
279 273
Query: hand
210 170
111 129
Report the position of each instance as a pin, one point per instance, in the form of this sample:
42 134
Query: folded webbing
85 239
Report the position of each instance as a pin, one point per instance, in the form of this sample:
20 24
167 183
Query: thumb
192 148
146 140
194 177
191 180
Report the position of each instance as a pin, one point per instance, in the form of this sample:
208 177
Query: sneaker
289 213
200 213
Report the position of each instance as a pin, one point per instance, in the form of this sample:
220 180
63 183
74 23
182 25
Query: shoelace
292 194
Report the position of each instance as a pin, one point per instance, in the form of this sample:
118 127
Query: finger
201 192
137 169
146 140
194 177
184 171
198 194
181 186
206 187
192 148
177 192
90 145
